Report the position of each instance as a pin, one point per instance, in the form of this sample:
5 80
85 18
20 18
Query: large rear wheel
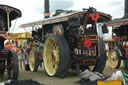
56 55
12 63
33 61
114 59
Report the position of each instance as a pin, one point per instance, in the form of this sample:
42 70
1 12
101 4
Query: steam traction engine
8 59
120 36
70 41
119 51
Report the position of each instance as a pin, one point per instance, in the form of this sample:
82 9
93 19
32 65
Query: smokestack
46 9
126 9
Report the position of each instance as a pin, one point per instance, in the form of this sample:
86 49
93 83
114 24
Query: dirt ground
70 79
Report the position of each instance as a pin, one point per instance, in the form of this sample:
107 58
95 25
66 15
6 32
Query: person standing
39 57
13 46
28 49
21 56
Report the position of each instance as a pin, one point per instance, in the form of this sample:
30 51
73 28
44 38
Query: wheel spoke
55 66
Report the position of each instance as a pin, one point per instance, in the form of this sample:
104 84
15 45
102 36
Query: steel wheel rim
31 61
51 56
113 59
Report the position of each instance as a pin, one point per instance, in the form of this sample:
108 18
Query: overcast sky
33 9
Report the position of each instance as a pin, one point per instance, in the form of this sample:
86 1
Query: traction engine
8 58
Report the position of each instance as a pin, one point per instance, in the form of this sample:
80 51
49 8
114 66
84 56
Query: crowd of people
23 49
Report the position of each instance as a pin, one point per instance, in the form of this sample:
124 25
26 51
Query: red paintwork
3 54
87 62
116 38
95 17
5 36
87 43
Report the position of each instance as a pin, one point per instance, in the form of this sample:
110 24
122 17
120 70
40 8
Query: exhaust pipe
126 9
46 9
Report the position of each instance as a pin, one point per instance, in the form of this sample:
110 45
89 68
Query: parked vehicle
70 41
23 40
119 51
8 58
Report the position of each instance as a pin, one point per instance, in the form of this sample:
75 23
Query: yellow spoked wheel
33 61
55 56
51 56
114 59
91 68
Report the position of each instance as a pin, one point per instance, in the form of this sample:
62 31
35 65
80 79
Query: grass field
70 79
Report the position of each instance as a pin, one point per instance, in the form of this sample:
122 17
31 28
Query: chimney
46 9
126 9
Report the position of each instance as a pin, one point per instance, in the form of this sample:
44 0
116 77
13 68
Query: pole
8 21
